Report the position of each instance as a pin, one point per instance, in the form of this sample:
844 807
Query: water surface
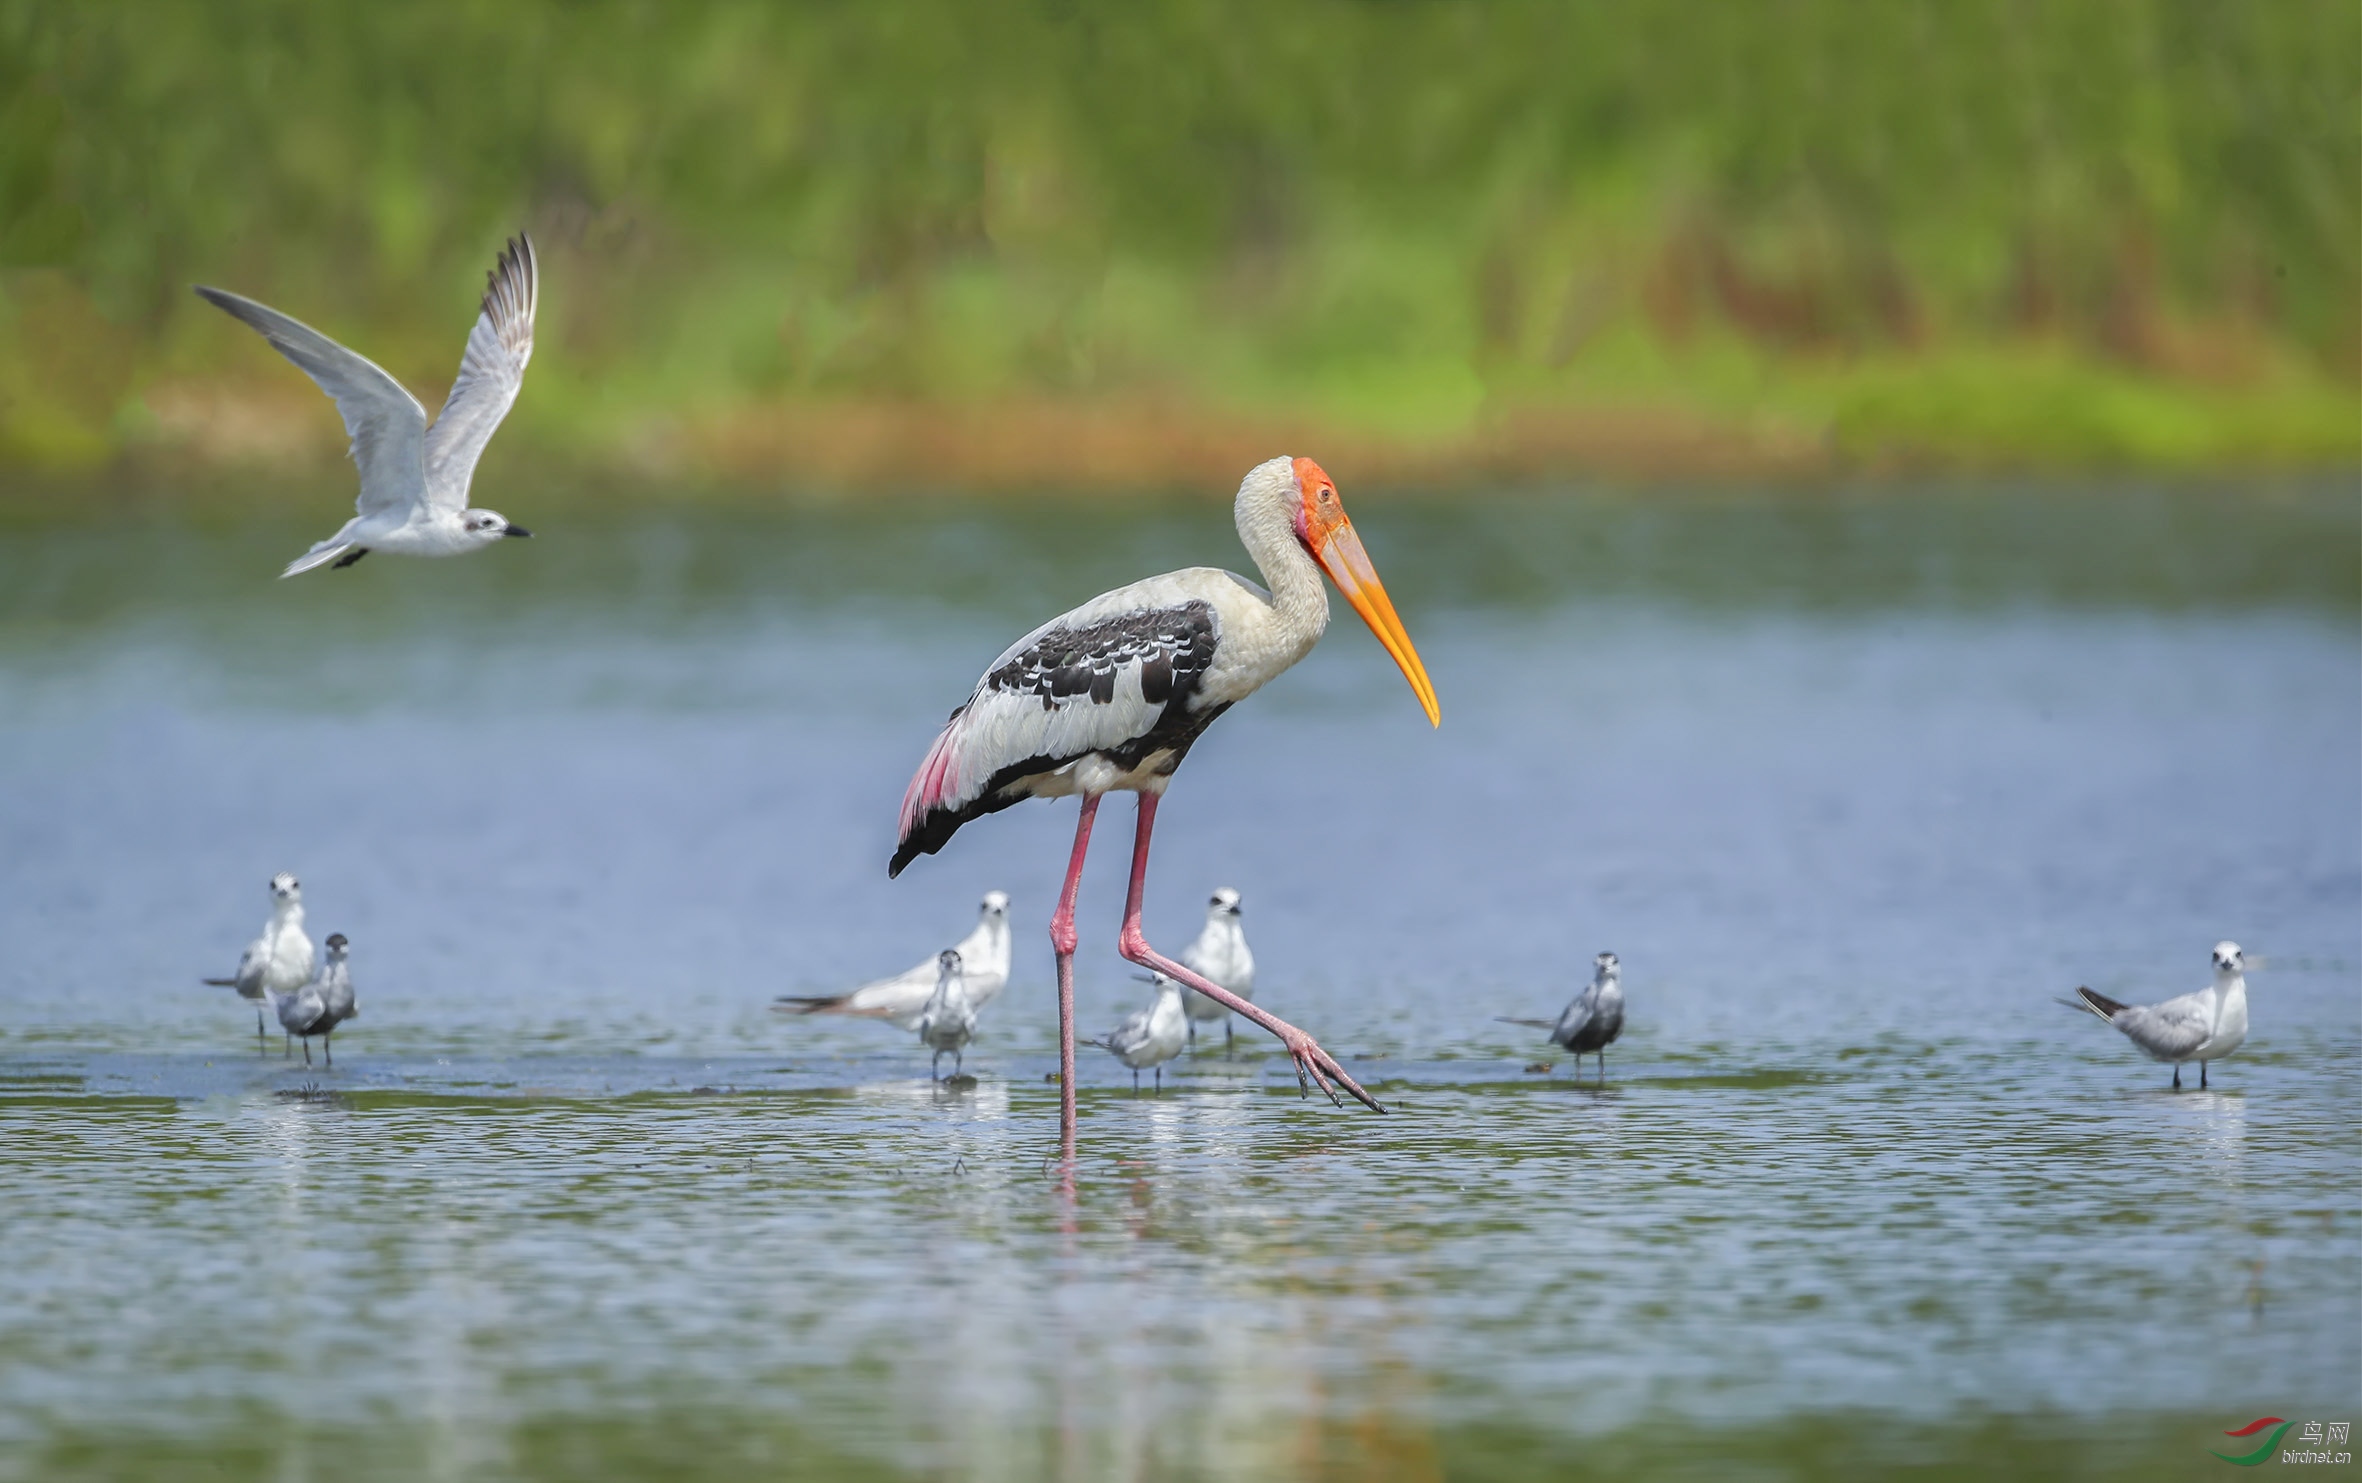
1854 784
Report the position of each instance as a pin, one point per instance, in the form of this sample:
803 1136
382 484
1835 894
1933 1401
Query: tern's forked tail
319 556
825 1004
2099 1004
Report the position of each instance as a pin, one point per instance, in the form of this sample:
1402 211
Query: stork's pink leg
1312 1063
1062 942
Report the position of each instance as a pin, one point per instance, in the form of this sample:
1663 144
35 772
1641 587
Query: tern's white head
1223 903
1606 966
285 888
2228 960
994 907
486 526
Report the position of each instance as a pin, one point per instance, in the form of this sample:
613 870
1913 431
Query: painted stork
1110 697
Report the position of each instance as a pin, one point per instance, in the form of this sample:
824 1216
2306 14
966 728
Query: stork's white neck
1299 600
1267 502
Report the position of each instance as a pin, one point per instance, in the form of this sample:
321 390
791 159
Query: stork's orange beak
1348 565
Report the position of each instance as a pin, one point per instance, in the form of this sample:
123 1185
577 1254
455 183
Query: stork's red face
1326 533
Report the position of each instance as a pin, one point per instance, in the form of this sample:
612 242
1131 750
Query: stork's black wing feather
1120 686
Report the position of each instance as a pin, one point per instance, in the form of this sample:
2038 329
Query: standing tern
1221 955
280 959
1151 1036
1596 1017
2205 1026
320 1005
414 478
948 1022
984 969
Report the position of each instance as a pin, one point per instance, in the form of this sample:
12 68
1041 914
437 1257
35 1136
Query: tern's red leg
1062 942
1312 1063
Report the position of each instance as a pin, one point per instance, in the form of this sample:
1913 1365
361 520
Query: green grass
1386 1443
1962 233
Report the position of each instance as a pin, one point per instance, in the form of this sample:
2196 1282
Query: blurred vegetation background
1038 242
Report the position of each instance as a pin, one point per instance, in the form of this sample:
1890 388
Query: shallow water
1854 784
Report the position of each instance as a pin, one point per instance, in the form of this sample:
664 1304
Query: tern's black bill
520 532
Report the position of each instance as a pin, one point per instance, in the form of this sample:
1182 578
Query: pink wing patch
930 787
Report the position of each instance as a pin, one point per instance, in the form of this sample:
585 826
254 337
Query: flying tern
414 477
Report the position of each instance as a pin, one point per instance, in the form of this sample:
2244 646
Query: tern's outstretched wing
386 424
489 375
